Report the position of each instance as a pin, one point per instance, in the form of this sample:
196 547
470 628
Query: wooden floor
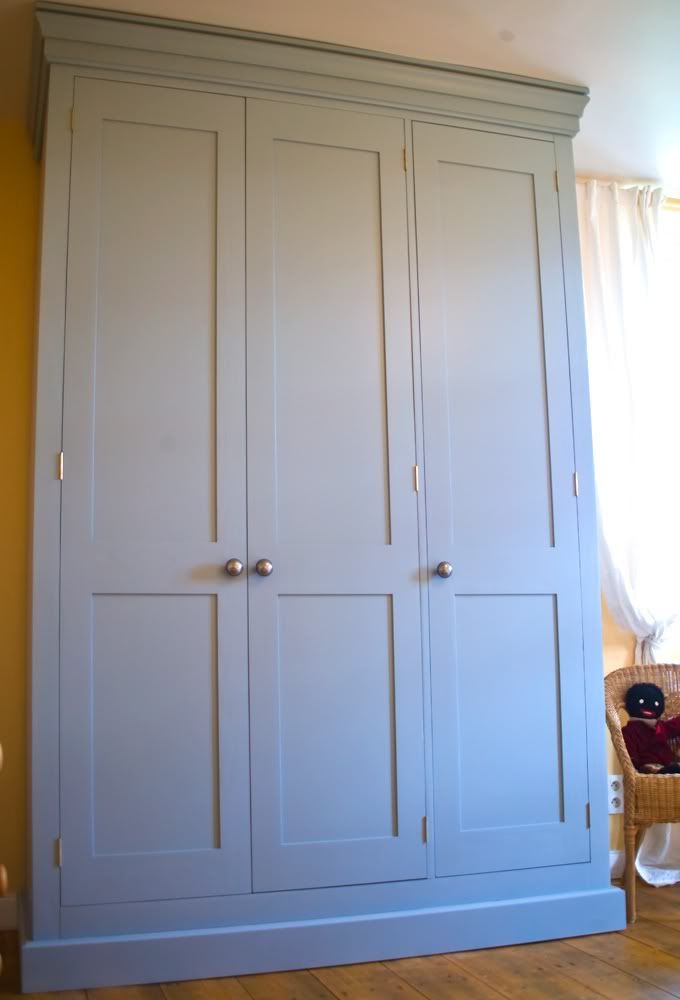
640 963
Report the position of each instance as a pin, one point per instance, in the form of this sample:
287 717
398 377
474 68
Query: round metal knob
263 567
234 567
444 570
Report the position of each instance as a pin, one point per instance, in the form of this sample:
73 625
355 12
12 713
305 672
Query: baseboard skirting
149 958
8 912
617 863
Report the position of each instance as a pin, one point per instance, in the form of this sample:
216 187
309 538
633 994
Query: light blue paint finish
331 419
504 674
154 696
176 552
154 389
586 507
217 56
42 906
336 690
494 356
331 428
500 501
327 902
163 437
293 945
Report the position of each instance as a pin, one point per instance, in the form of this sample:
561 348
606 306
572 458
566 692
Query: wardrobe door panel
524 633
345 789
506 636
154 748
336 673
495 357
144 696
155 280
331 395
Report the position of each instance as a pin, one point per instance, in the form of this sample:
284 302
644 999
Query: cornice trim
85 37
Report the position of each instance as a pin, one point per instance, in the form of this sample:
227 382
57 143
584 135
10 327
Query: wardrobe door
336 674
154 704
506 634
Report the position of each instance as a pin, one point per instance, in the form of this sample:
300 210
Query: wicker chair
648 798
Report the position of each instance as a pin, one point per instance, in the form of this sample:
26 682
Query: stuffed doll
647 735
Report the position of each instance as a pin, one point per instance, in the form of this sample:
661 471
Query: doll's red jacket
649 744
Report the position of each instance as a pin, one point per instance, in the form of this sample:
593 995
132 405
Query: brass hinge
424 829
576 484
405 162
73 119
58 853
587 815
416 479
557 182
60 465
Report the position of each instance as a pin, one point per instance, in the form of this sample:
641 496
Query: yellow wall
19 184
619 651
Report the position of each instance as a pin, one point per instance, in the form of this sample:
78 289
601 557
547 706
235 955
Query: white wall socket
615 792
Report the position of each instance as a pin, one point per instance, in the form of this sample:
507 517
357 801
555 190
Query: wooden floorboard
285 986
437 978
206 989
127 993
660 905
366 981
646 963
640 963
522 971
577 969
657 935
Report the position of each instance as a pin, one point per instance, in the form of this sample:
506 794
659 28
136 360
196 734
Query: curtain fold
634 404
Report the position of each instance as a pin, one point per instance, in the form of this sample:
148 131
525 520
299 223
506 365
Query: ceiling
626 51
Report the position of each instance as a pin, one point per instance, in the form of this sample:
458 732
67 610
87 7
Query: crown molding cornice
84 37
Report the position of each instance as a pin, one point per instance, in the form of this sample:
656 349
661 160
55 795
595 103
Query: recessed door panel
495 360
336 673
154 698
505 627
154 728
154 398
331 399
516 665
336 697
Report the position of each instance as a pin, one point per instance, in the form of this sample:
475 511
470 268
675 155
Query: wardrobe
316 669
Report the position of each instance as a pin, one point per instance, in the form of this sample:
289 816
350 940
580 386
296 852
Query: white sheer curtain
633 356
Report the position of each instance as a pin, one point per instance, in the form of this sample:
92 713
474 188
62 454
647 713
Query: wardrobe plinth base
81 963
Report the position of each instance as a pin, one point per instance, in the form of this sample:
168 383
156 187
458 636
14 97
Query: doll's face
644 701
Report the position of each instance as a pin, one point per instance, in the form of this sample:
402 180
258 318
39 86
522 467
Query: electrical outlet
615 793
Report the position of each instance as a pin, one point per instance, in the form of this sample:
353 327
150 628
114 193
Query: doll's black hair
649 693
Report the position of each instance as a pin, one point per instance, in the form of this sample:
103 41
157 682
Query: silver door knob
263 567
444 570
234 567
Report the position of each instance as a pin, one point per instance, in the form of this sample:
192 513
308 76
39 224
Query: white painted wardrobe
316 657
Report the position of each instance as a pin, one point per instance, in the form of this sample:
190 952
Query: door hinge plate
405 160
576 484
424 829
73 119
416 479
557 182
60 465
587 815
58 853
